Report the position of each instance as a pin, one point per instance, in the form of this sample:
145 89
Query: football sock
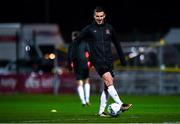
103 101
81 93
113 93
87 91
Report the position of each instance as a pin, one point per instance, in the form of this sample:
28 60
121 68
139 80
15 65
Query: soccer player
99 35
78 59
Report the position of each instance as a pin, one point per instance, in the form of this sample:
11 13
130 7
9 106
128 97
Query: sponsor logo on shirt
107 31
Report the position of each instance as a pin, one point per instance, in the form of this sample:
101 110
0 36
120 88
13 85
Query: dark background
126 16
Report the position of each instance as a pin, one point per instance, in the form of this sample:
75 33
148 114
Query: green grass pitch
23 108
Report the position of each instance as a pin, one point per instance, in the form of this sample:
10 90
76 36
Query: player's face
99 17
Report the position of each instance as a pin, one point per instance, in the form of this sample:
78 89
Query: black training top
76 54
99 38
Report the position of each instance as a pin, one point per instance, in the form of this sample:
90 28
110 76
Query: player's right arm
118 48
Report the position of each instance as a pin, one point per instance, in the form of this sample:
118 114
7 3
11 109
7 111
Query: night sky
125 15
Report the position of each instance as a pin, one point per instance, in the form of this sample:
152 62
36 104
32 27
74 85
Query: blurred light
142 57
133 49
87 55
162 67
141 49
132 55
89 64
60 71
33 74
27 48
162 41
72 65
52 56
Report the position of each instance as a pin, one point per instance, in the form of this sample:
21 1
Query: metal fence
153 68
141 82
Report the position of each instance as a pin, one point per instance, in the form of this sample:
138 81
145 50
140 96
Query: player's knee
79 82
105 77
87 81
108 83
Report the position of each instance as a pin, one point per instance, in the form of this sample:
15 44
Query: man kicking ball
99 36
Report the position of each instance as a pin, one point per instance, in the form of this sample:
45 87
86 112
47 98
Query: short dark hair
99 9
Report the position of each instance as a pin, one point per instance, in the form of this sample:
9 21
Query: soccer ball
114 109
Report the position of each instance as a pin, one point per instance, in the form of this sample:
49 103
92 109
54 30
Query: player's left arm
118 47
83 35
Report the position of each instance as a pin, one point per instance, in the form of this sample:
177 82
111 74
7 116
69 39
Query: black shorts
102 69
82 74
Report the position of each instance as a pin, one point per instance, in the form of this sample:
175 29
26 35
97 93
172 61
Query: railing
143 82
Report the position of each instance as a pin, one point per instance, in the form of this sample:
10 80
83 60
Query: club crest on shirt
94 31
107 31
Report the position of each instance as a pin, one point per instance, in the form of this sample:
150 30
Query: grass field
37 109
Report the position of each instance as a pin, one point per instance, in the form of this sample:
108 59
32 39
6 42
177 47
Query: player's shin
103 101
87 91
80 91
113 93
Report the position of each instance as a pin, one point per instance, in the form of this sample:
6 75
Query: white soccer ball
114 109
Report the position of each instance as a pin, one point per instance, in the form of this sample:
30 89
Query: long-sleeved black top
76 54
99 38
